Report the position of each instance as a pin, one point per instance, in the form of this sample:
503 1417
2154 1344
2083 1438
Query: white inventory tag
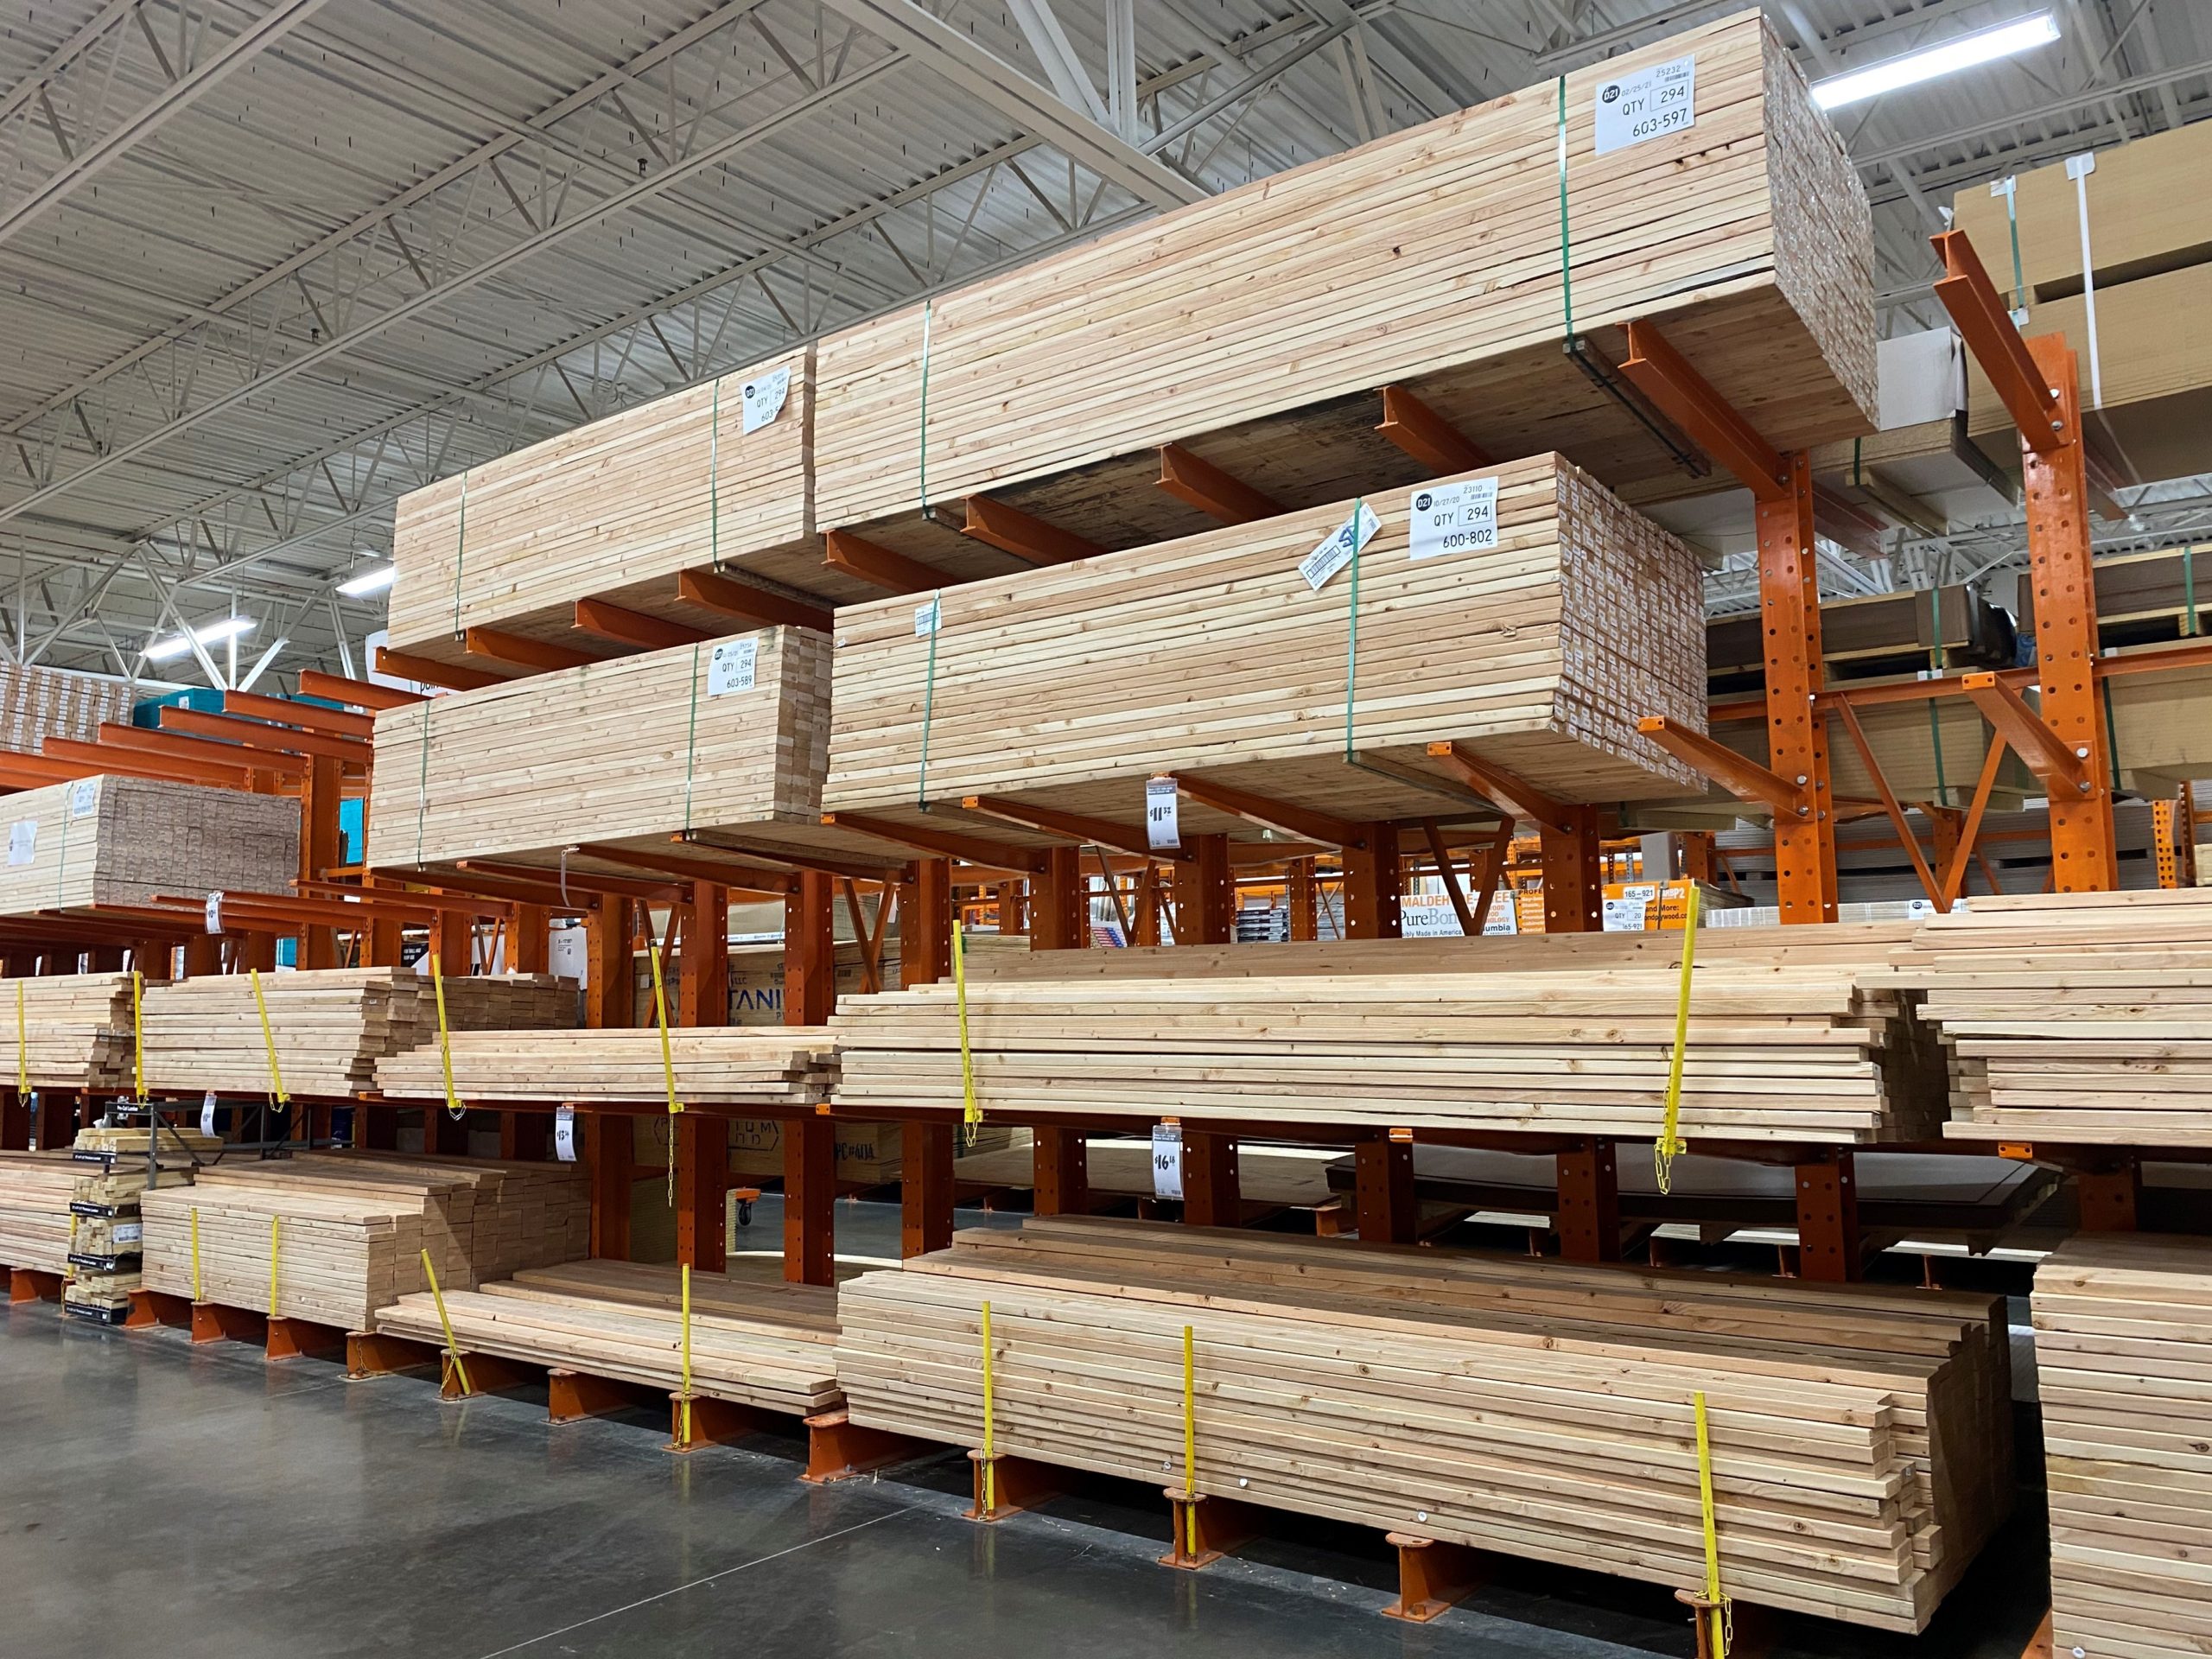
732 666
1459 518
1167 1160
214 908
128 1232
1162 832
83 796
207 1114
927 618
23 842
1334 554
564 1134
1647 105
1626 915
764 398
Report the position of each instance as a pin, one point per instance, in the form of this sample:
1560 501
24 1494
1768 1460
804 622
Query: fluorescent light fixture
1983 46
374 580
177 643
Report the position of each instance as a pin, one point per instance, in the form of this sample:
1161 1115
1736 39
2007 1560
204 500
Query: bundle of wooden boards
728 737
125 841
1256 328
107 1227
719 1065
2073 1017
332 1237
328 1027
706 479
1860 1448
38 702
1774 1052
73 1032
36 1191
1217 658
2123 1349
756 1342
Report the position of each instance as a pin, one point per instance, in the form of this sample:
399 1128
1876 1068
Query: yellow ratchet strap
138 1030
991 1448
1670 1144
22 1047
268 1041
196 1296
1722 1613
455 1110
452 1348
972 1115
275 1248
686 1436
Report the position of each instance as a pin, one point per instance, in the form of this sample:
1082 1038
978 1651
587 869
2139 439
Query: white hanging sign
927 618
1647 105
1459 518
207 1114
23 842
83 796
1167 1160
1161 831
732 666
214 909
764 398
1334 554
564 1134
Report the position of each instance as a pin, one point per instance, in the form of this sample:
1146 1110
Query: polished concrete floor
159 1498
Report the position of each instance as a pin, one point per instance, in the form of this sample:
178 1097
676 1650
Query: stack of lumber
2123 1350
1952 627
2074 1017
74 1033
1860 1447
107 1227
613 511
1774 1053
727 736
716 1065
36 1189
36 703
1256 326
329 1026
759 1344
124 841
352 1230
1214 657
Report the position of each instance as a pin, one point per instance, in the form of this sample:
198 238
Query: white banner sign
1162 833
564 1134
1167 1160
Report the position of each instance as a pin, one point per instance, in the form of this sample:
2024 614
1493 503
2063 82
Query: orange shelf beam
753 606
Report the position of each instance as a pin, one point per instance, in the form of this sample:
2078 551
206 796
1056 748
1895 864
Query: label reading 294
1647 104
1459 518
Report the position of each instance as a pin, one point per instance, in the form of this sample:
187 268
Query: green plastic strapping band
691 741
1566 240
2112 735
922 435
1857 477
460 554
422 781
1351 628
715 481
1938 659
2012 217
928 700
2189 584
61 875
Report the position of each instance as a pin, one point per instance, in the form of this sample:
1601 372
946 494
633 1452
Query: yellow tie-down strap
268 1041
1670 1144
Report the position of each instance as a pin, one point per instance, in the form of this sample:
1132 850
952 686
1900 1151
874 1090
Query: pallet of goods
329 1026
1535 639
712 482
725 1065
1860 1451
113 1172
124 841
1257 329
2123 1346
74 1031
766 1344
1790 1054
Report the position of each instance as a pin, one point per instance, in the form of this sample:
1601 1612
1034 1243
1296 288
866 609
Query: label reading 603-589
1647 104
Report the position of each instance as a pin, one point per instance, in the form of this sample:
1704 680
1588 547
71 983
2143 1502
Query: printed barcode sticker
1334 554
732 666
1161 831
927 617
1647 105
1459 518
764 398
23 842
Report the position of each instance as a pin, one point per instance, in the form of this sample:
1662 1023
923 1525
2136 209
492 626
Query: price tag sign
732 666
1334 554
23 842
1627 915
1161 832
215 912
1459 518
927 618
83 796
564 1134
1167 1160
128 1232
207 1114
764 398
1647 105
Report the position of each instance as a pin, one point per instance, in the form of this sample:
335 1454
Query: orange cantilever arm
1511 795
1990 334
1738 774
1711 422
2046 752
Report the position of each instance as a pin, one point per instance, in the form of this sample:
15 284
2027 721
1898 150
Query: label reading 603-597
1647 104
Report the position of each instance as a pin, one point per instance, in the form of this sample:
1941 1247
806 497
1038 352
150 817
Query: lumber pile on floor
761 1344
124 841
74 1031
719 1065
1799 1053
1258 326
329 1025
106 1222
35 1191
1862 1453
2073 1017
350 1229
2123 1353
728 734
614 510
1216 656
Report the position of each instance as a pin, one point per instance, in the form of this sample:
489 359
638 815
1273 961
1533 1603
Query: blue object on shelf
147 711
352 824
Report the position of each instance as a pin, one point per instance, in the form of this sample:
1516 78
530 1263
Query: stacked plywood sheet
1257 327
36 703
1860 1452
759 1344
1781 1053
725 739
1217 659
74 1031
124 841
614 509
726 1065
329 1026
2123 1354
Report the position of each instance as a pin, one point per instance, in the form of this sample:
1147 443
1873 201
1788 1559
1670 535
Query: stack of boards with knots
1368 506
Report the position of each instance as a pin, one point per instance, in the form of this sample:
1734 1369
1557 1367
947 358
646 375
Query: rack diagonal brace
2057 766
